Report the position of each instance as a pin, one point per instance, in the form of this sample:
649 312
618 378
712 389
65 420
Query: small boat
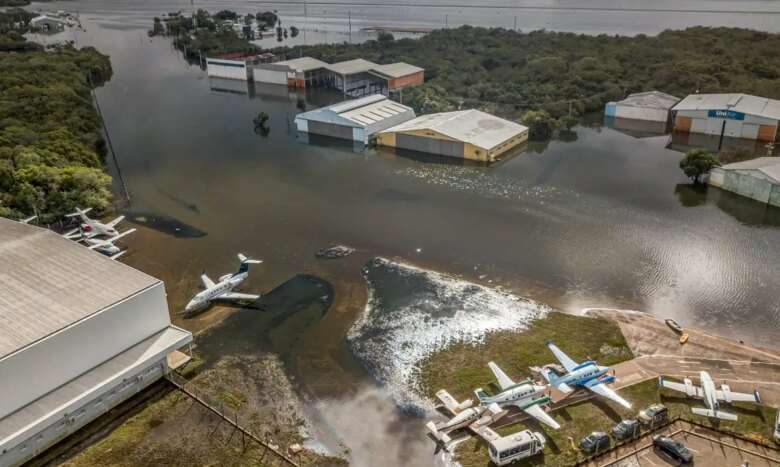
683 338
674 325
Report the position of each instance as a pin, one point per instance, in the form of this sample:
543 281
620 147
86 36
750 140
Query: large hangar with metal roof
758 179
729 115
465 134
79 333
355 120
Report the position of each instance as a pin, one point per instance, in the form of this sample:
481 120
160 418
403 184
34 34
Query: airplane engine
726 392
465 405
690 389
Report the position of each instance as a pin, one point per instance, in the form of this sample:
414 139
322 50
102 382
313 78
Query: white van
521 445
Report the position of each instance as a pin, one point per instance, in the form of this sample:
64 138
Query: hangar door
270 76
429 145
330 129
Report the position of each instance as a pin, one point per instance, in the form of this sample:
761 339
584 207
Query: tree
698 162
384 37
540 124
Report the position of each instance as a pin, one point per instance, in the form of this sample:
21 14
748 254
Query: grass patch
580 419
463 367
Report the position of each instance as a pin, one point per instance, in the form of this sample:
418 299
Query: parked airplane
223 289
107 246
525 395
28 220
90 227
587 374
477 419
710 395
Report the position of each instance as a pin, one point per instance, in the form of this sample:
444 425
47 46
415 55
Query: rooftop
359 112
744 103
769 166
650 99
50 282
304 64
397 70
471 126
349 67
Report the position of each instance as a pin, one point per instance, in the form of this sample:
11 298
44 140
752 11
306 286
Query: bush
540 124
698 162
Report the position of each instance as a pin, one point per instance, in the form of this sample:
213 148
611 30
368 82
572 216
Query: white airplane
710 395
90 227
588 375
107 246
525 395
477 419
28 220
223 289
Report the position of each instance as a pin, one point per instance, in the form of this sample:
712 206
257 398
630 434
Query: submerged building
355 120
728 115
79 334
758 179
465 134
653 106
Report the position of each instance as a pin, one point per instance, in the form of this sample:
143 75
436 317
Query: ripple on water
413 313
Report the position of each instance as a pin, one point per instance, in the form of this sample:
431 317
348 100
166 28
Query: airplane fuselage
584 373
462 419
226 284
521 395
708 388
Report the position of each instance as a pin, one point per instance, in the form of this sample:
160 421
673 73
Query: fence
227 414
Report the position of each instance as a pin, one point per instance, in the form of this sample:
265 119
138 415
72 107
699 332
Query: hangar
354 120
79 334
651 106
728 115
758 179
466 134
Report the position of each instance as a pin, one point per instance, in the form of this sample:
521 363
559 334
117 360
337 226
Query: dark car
626 429
595 442
674 449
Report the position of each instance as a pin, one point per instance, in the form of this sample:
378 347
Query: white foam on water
440 311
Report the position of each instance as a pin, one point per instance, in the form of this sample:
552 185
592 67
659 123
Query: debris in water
336 251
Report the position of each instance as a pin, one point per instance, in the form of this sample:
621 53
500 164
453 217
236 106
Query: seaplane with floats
525 395
711 396
464 415
222 290
588 374
107 246
90 227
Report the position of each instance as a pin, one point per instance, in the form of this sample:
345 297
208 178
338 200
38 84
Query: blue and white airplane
588 375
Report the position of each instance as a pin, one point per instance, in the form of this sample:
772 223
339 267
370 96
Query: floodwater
602 219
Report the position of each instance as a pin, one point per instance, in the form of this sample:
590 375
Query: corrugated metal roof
17 426
650 99
397 70
303 64
361 112
745 103
471 126
770 166
49 283
349 67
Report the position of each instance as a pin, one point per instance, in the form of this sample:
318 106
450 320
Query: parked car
673 449
626 429
595 442
777 428
654 415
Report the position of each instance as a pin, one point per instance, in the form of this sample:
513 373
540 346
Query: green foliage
268 18
698 162
428 98
50 143
385 37
540 124
208 38
224 15
14 3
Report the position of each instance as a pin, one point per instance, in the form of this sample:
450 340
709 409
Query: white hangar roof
769 166
49 283
650 100
744 103
359 113
471 126
303 64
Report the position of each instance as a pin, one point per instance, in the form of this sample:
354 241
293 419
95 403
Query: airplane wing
690 390
115 221
28 220
567 362
207 283
602 390
238 296
503 380
71 234
450 402
737 396
111 240
538 413
116 256
484 432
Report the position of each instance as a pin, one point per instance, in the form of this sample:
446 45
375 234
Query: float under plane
711 396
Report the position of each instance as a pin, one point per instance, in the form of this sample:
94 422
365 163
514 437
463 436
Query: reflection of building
636 128
80 334
354 78
733 115
354 120
238 65
652 106
468 134
682 141
758 179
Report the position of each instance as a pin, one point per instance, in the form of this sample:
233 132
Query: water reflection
745 210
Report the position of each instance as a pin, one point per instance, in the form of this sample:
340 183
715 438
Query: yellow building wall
508 145
386 139
469 150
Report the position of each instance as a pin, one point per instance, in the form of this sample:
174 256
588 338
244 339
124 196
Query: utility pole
349 18
305 22
515 23
446 21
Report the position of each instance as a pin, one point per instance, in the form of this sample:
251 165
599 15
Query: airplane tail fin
549 376
245 262
79 212
481 395
714 413
437 435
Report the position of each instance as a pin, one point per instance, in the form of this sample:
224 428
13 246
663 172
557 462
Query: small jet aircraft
588 375
477 419
710 395
525 395
223 289
107 246
90 227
